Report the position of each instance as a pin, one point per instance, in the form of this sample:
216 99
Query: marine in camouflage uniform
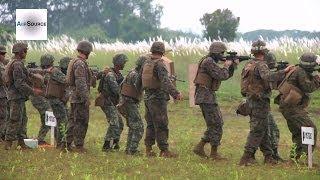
207 81
154 80
3 94
79 80
19 90
129 107
109 90
273 130
55 94
42 105
255 86
303 82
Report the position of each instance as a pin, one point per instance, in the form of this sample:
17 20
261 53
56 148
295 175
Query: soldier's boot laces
22 145
247 159
199 149
106 146
270 160
149 152
214 155
8 145
168 154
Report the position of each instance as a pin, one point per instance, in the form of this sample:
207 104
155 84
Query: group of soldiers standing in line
120 96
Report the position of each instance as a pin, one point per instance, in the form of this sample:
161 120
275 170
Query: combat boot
277 156
270 160
116 144
247 159
106 146
7 145
149 152
168 154
79 149
214 155
22 145
199 149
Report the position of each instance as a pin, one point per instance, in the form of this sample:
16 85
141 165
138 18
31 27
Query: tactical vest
251 85
149 80
70 78
129 90
203 79
290 94
8 72
55 89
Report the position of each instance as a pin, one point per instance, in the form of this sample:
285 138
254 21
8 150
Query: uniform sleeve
111 84
19 79
308 84
138 81
166 83
215 71
82 88
58 76
267 75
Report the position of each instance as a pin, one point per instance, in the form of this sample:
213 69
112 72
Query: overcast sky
254 14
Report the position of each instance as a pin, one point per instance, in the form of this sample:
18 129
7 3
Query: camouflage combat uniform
297 115
18 92
110 92
205 97
79 113
130 99
156 100
57 80
259 103
3 102
42 105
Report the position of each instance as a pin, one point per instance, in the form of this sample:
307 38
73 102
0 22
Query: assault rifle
282 65
232 56
32 65
175 78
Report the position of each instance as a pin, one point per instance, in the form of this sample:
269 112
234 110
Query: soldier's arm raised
166 83
215 71
268 75
307 83
82 88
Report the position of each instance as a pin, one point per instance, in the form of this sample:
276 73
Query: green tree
220 24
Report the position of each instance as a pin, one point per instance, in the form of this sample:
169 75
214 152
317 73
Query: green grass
186 127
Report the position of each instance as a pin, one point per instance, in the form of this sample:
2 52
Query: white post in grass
307 135
51 121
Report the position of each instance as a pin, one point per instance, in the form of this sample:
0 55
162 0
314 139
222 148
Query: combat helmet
308 61
85 46
64 62
19 47
259 46
119 59
217 47
46 60
157 47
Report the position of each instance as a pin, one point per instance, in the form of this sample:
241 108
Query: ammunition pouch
100 100
55 89
243 108
149 81
291 95
129 90
205 80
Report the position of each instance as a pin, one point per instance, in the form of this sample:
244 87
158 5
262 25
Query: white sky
254 14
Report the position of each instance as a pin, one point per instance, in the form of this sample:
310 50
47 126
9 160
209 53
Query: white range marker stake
51 121
307 136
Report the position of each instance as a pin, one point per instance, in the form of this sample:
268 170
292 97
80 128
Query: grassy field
186 127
